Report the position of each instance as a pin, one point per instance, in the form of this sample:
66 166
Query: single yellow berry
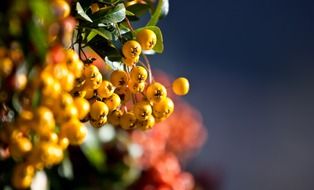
105 90
128 120
136 87
131 49
113 102
156 92
163 109
147 38
138 74
99 110
74 131
114 117
181 86
142 110
82 106
119 78
145 124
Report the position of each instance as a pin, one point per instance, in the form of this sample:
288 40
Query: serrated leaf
82 13
115 15
159 47
160 9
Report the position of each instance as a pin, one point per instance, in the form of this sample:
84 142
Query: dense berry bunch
49 87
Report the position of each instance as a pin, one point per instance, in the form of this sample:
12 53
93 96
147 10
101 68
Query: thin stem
129 24
150 76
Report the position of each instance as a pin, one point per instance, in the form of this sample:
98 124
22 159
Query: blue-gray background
251 68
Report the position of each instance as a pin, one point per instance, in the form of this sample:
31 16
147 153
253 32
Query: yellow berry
94 82
6 66
114 117
45 121
124 94
142 110
119 78
90 71
22 176
138 74
163 109
181 86
105 90
129 61
136 87
98 123
82 106
99 110
147 38
61 8
145 124
156 92
128 120
74 64
19 147
131 49
74 130
113 102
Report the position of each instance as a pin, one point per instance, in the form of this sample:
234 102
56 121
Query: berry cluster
50 90
127 99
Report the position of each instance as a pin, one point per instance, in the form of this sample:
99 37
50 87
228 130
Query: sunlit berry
136 87
147 38
113 102
105 90
90 71
119 78
19 147
82 106
138 74
142 110
130 61
45 122
156 92
181 86
163 109
131 49
94 82
74 130
98 110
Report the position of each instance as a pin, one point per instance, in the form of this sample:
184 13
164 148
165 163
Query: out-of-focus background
251 68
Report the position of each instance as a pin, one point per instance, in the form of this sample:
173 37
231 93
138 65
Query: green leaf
100 31
129 13
82 13
105 48
162 8
115 15
138 9
159 47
